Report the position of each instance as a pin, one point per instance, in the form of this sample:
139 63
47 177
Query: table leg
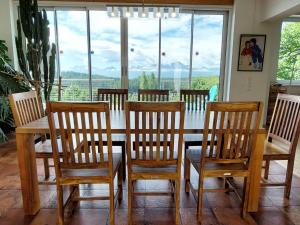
28 173
255 176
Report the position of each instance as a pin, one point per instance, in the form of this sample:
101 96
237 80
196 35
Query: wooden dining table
194 123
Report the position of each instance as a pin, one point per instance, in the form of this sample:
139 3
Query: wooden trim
159 2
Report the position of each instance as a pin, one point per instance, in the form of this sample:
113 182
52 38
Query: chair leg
288 178
200 198
124 160
111 204
267 168
187 169
129 201
245 197
226 185
177 201
120 187
60 205
46 168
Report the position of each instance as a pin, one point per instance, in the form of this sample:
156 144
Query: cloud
143 36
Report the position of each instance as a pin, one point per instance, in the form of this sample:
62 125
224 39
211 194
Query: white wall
7 27
251 86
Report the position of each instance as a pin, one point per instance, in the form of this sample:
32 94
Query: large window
105 51
207 42
289 54
97 51
73 54
175 53
143 45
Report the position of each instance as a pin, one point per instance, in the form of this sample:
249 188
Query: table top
193 123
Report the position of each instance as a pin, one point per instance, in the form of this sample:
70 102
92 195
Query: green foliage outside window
289 55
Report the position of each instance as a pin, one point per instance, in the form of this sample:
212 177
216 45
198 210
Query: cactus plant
34 57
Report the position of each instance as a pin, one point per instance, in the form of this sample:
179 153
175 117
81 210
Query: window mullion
89 54
57 43
191 51
159 52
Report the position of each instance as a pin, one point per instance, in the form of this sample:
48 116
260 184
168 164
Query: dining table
193 124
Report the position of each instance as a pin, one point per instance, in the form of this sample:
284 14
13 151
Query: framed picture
251 52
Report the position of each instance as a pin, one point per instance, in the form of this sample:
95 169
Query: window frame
194 10
289 82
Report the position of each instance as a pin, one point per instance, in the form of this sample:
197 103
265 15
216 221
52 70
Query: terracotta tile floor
219 208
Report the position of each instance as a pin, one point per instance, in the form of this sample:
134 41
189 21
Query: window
175 54
143 45
105 51
166 53
289 54
73 54
207 51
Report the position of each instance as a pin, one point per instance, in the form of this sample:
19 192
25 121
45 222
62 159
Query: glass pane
207 51
50 16
73 53
175 61
143 50
289 53
106 51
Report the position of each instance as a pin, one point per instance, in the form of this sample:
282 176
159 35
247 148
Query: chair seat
275 149
215 169
194 155
90 175
223 169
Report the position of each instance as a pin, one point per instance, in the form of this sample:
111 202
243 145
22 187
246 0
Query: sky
143 44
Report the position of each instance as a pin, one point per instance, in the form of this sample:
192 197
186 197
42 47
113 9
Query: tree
143 81
152 81
289 54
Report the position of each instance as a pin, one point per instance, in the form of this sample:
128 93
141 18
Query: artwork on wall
251 52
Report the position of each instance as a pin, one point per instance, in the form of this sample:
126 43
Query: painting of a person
246 59
251 52
256 52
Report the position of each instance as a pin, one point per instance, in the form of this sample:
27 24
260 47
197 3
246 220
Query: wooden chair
283 136
234 126
85 159
153 95
195 99
26 108
156 161
116 99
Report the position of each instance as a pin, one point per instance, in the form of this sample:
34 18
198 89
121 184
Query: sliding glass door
98 51
143 45
207 51
105 39
175 53
73 54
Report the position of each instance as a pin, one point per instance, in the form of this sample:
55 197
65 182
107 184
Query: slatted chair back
25 107
115 97
156 124
285 122
233 127
153 95
81 127
194 99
